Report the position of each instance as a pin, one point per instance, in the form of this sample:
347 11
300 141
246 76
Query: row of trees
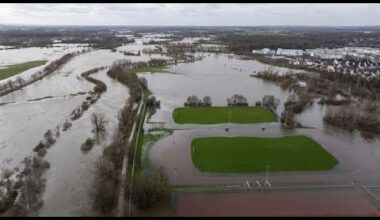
268 101
109 165
20 82
194 101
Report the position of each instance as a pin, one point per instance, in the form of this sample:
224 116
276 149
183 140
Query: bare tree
193 101
237 100
207 101
10 84
99 122
20 81
149 188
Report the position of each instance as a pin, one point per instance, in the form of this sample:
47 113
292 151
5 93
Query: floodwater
23 123
341 202
221 76
15 56
217 76
24 120
71 173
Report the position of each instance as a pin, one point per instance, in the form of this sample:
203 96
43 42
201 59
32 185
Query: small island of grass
216 115
253 154
15 69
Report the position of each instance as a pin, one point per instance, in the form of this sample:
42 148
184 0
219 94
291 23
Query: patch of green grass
15 69
252 154
150 69
215 115
140 145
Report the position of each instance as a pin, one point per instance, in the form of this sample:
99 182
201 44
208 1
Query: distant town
362 61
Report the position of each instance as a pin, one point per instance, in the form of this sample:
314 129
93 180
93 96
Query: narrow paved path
134 160
123 179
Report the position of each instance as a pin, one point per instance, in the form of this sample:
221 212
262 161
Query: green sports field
252 154
216 115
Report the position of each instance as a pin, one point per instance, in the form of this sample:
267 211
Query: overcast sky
190 14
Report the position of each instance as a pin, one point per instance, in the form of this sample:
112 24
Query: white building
289 52
265 51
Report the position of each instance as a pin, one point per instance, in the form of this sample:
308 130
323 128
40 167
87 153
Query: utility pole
266 174
267 184
229 116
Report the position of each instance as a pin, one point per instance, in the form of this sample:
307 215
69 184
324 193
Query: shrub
49 138
148 189
66 125
258 103
353 117
193 101
40 164
77 113
57 134
42 152
104 188
367 135
39 147
237 100
85 106
87 145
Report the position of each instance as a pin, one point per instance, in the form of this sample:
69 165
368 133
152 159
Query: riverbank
15 69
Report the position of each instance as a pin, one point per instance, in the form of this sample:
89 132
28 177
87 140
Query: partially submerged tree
237 100
270 102
207 101
20 81
99 122
50 140
193 101
87 145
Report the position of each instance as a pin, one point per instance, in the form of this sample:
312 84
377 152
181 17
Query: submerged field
215 115
15 69
252 154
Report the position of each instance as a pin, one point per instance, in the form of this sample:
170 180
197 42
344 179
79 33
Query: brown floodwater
220 76
276 203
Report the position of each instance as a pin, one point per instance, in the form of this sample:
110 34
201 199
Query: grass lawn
215 115
15 69
252 154
149 69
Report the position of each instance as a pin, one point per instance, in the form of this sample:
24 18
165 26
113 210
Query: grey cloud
191 14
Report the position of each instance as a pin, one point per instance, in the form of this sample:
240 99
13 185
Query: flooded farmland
26 114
